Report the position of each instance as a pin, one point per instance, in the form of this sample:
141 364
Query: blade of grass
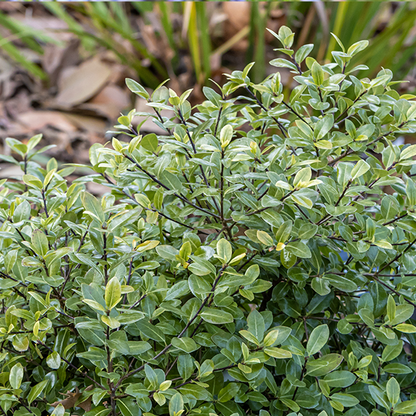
59 11
166 22
205 39
260 19
192 33
321 12
341 13
31 37
104 20
232 41
375 57
14 53
118 9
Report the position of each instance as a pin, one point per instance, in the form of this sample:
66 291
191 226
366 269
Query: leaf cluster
256 259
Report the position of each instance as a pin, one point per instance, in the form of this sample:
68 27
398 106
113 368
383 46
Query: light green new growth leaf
112 293
16 376
224 251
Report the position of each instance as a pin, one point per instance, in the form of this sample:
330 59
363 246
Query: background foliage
211 278
196 26
63 65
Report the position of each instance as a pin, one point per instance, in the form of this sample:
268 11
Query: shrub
256 259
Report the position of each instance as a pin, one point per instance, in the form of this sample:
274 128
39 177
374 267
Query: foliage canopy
258 258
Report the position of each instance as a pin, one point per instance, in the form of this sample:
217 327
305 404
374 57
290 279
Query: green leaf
278 353
322 128
228 392
249 336
185 344
136 88
22 212
195 392
16 376
317 73
283 233
402 313
303 52
216 316
185 366
150 331
408 152
150 142
36 391
226 135
406 328
178 290
406 408
299 249
40 242
224 251
59 410
111 322
264 238
359 169
390 352
112 293
323 365
302 178
94 304
92 205
393 391
256 325
317 339
176 407
151 376
340 379
379 396
346 400
170 180
54 360
391 308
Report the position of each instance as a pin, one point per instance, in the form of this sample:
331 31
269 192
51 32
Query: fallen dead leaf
83 82
9 171
37 120
56 58
90 124
110 101
238 16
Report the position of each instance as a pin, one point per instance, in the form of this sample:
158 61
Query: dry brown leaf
37 120
110 101
72 398
90 124
56 58
83 82
238 16
53 26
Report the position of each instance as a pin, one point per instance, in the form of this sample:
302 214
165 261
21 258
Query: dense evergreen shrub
257 259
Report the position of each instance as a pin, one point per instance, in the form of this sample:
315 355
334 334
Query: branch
281 126
195 152
153 210
182 198
350 151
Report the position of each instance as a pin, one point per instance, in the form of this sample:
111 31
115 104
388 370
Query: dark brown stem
44 203
182 198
